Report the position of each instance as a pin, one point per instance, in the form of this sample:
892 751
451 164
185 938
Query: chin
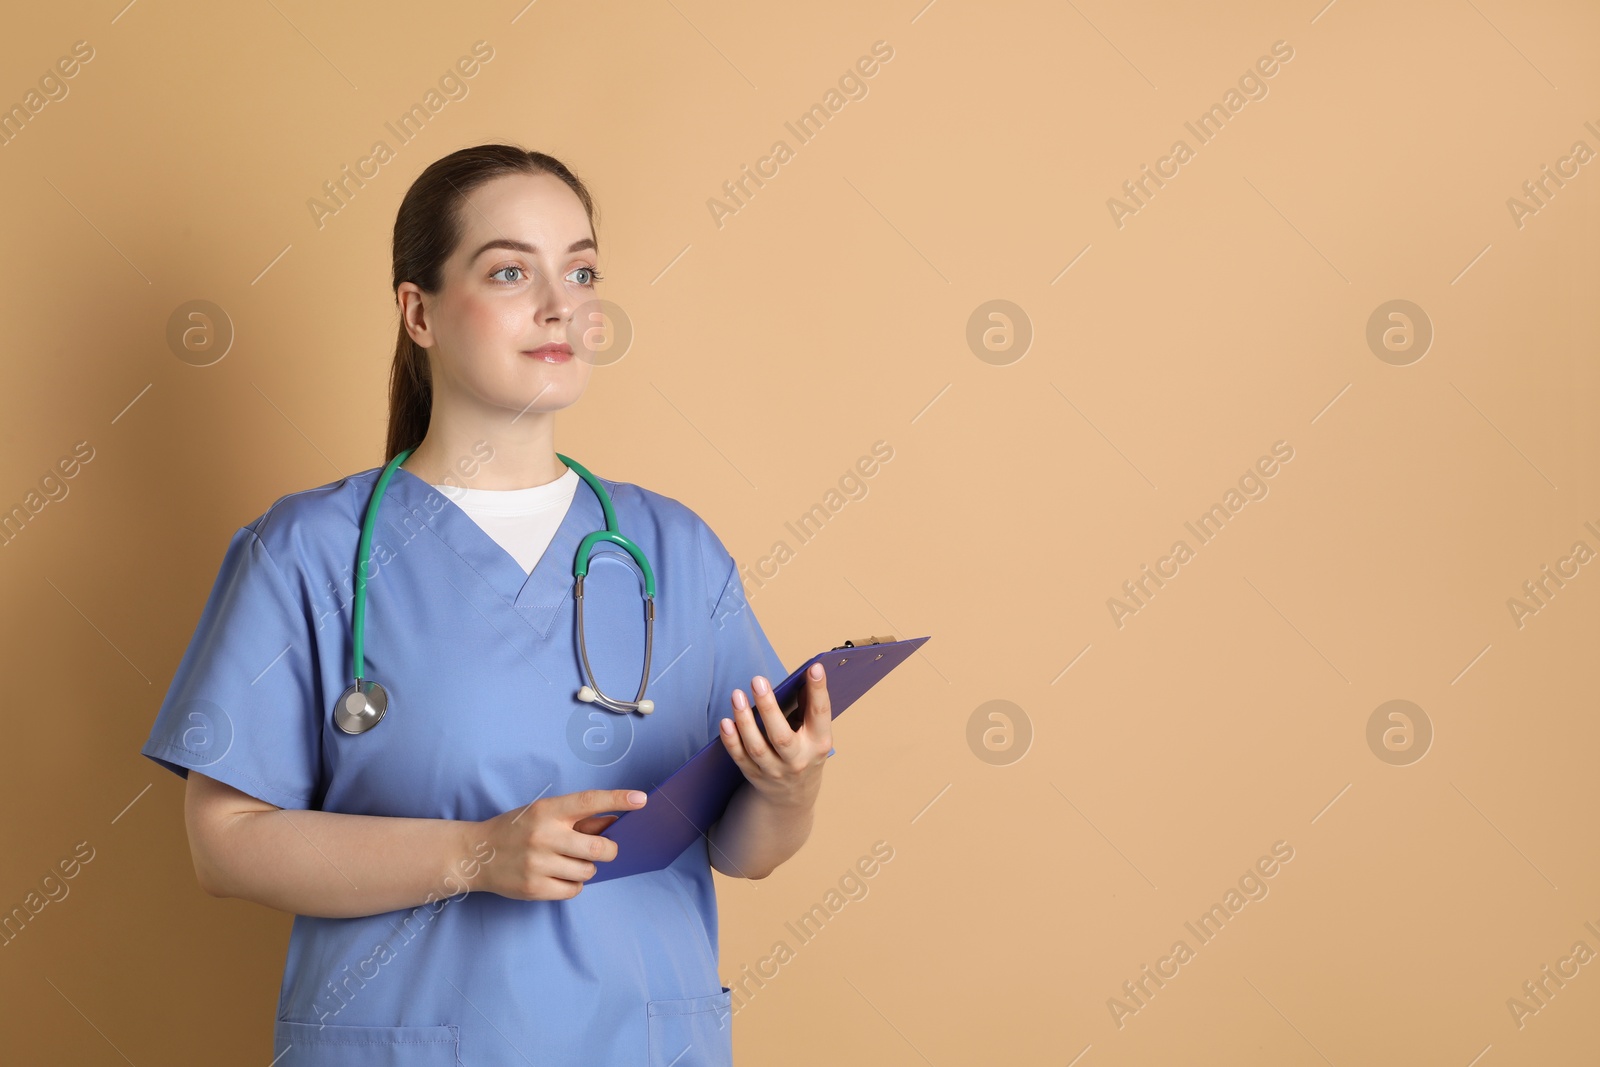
554 398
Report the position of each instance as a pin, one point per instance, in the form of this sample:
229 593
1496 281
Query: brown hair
426 231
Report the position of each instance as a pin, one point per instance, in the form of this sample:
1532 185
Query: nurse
436 861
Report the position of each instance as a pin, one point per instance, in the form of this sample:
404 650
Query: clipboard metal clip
857 643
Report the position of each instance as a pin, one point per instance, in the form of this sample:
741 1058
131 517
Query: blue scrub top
481 663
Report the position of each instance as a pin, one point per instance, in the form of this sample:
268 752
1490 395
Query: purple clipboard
686 805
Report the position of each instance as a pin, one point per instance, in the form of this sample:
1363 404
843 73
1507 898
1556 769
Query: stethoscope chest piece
360 707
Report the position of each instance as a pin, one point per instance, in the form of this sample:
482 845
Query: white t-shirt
521 521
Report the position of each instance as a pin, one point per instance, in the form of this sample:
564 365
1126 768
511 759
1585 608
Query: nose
552 300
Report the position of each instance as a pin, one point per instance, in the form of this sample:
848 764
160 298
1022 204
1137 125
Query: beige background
831 312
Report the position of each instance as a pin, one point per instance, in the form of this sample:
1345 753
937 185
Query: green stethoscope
364 702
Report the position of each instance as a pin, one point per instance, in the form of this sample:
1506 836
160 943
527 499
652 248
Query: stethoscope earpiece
588 695
363 703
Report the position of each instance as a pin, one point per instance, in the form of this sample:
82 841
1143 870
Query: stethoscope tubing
363 704
358 622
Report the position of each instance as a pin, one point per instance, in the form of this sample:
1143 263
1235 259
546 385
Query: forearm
336 865
756 835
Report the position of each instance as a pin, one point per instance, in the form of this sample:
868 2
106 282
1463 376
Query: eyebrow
523 246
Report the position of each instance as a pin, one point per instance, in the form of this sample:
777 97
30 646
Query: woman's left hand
785 766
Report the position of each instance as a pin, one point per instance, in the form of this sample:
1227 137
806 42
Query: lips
554 352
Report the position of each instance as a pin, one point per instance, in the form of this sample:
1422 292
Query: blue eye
593 275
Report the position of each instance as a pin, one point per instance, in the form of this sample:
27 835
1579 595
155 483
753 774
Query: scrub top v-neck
482 669
521 521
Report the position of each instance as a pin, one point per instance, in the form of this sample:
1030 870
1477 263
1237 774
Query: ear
414 313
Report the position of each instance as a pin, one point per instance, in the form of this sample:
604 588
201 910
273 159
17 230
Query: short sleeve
244 706
742 649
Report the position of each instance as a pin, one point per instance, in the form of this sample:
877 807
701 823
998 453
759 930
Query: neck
477 455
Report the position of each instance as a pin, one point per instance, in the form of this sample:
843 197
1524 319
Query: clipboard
684 806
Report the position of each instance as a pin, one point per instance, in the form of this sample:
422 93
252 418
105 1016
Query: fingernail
727 727
635 797
816 672
759 684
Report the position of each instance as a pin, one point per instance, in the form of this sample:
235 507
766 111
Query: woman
436 860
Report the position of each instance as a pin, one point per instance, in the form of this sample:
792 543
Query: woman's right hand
548 849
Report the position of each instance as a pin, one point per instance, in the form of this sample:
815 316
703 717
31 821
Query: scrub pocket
697 1032
314 1045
